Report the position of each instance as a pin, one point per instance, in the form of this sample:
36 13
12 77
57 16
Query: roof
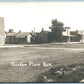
80 32
22 34
34 34
18 35
45 32
67 27
11 34
69 35
75 32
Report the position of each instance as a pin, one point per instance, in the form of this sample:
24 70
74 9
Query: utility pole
34 31
69 38
82 36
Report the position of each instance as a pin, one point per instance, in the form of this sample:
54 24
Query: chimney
11 31
42 29
32 31
76 31
19 31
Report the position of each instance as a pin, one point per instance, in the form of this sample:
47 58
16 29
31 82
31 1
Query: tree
56 30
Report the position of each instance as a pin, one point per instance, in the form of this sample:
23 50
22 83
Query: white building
66 34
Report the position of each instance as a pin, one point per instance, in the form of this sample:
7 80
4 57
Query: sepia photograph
42 42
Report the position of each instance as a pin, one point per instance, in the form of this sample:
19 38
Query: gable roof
22 35
11 34
45 32
34 34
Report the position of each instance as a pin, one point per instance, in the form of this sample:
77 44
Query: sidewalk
17 45
9 46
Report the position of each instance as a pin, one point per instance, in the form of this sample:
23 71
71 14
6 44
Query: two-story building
43 36
66 35
78 36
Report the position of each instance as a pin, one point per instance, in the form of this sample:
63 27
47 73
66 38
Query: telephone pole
82 36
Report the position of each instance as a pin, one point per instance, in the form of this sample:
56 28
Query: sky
26 16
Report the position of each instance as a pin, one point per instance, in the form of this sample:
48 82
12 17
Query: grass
59 55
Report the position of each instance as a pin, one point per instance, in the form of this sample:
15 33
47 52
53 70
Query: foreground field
44 56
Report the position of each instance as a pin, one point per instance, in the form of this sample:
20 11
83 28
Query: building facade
10 37
17 37
2 39
67 36
43 36
23 38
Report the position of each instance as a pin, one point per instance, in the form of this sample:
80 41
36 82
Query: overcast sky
25 16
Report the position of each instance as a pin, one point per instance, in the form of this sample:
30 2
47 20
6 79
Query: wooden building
66 35
77 36
43 36
23 38
18 37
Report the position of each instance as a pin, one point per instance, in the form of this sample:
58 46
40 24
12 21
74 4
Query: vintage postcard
42 42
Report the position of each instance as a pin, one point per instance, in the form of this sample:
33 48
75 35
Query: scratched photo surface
42 42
